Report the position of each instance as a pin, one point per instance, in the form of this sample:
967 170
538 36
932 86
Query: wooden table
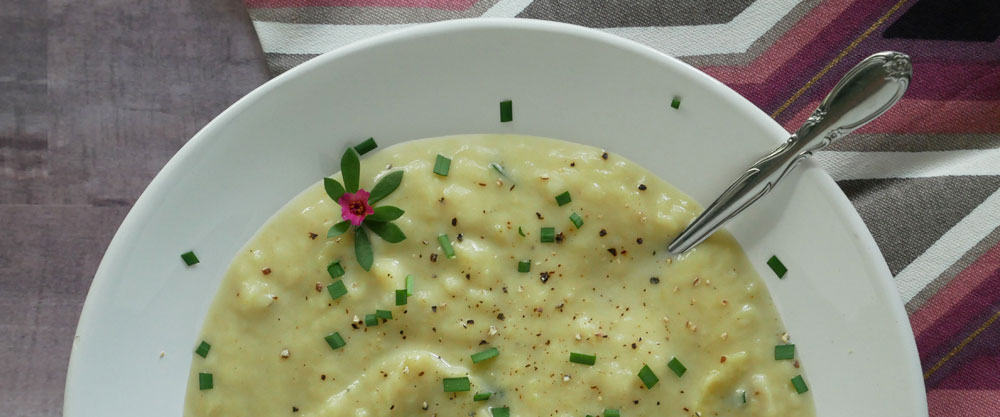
95 97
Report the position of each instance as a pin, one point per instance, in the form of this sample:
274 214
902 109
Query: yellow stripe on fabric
962 345
839 57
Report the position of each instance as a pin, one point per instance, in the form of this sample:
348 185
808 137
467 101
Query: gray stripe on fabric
279 63
914 142
366 15
949 274
759 46
636 13
906 216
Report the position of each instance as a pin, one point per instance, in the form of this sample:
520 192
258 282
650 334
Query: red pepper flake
560 237
312 235
602 233
796 364
722 359
539 215
613 251
454 221
295 409
572 164
500 317
634 345
319 287
434 257
266 271
322 377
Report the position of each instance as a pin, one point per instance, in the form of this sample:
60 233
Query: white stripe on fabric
733 37
949 248
507 8
866 165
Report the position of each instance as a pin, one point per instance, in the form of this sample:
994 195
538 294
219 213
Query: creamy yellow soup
606 289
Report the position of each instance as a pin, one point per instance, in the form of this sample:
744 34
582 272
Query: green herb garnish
367 146
576 219
482 396
371 320
783 352
203 349
564 198
582 358
500 412
383 314
446 246
189 258
409 285
799 384
204 381
524 266
335 341
608 412
776 266
506 111
401 297
442 165
335 270
676 366
675 103
647 376
519 231
337 289
484 355
457 384
356 206
548 234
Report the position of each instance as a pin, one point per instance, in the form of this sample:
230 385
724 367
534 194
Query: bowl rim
146 200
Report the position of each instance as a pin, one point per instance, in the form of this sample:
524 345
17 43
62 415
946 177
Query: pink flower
354 206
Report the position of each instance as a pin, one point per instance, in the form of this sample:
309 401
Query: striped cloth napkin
924 177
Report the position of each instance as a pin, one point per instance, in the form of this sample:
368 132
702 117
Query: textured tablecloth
924 177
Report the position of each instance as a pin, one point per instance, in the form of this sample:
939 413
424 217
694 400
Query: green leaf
363 248
338 229
387 231
385 214
333 188
350 169
385 186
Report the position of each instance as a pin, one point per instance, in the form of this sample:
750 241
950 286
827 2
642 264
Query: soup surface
703 323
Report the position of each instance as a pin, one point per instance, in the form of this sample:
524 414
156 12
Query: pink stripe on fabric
965 403
431 4
785 48
925 116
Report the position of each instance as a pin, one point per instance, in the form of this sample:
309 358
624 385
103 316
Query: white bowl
838 300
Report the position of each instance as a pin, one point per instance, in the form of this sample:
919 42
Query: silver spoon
865 92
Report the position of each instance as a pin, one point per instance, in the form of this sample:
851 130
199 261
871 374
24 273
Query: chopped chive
506 111
484 355
799 384
446 246
335 341
500 412
576 219
401 297
409 285
337 289
482 396
203 349
204 381
189 258
524 266
457 384
582 358
676 366
498 168
367 146
647 376
743 393
783 352
608 412
564 198
776 266
675 103
371 320
442 165
335 270
383 314
519 231
548 234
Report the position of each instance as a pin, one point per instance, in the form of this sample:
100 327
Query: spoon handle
864 93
